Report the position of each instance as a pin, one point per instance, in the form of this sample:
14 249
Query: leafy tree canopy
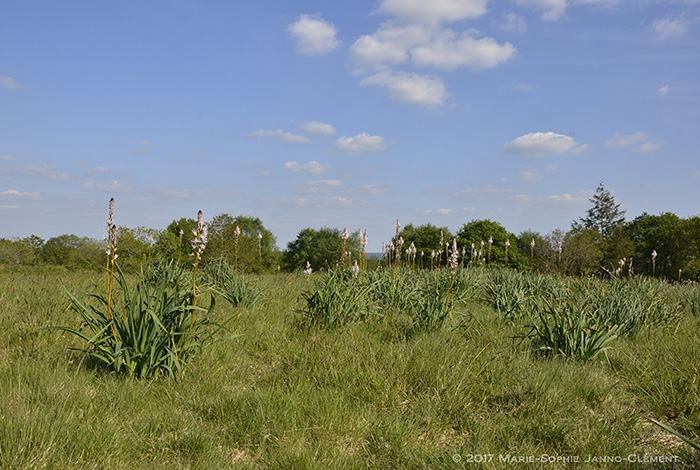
322 248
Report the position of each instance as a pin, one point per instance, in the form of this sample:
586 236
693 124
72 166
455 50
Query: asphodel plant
198 245
111 257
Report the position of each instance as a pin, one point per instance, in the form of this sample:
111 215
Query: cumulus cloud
450 50
434 11
540 144
361 143
664 90
395 44
313 167
313 35
10 83
279 133
553 9
667 27
410 87
317 128
13 194
639 141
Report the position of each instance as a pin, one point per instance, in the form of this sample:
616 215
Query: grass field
377 392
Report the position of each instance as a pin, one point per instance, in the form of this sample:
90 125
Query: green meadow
394 367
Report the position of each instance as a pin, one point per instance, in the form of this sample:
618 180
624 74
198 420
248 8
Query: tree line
602 242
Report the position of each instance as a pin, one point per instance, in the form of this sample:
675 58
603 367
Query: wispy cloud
314 35
280 134
114 186
553 9
8 157
513 22
319 187
435 11
639 141
12 194
664 90
326 202
10 83
42 170
667 27
360 143
312 167
540 144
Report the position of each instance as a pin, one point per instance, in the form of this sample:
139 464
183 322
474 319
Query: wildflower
355 269
308 269
455 254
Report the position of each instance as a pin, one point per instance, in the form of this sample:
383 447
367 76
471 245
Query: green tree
607 219
477 231
135 246
661 234
540 257
176 240
605 216
581 252
426 239
222 243
73 251
322 248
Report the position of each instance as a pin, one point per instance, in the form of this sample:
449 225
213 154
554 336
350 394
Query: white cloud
513 22
374 189
8 157
312 167
44 171
530 175
317 128
111 187
488 191
389 44
360 143
323 202
667 27
100 169
10 83
14 194
641 142
319 187
540 144
434 11
439 211
313 35
410 87
394 44
664 90
279 133
450 50
553 9
172 192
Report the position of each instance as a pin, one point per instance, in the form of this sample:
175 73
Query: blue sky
345 114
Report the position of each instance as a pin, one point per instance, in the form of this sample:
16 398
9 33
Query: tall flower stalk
198 245
111 258
238 235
